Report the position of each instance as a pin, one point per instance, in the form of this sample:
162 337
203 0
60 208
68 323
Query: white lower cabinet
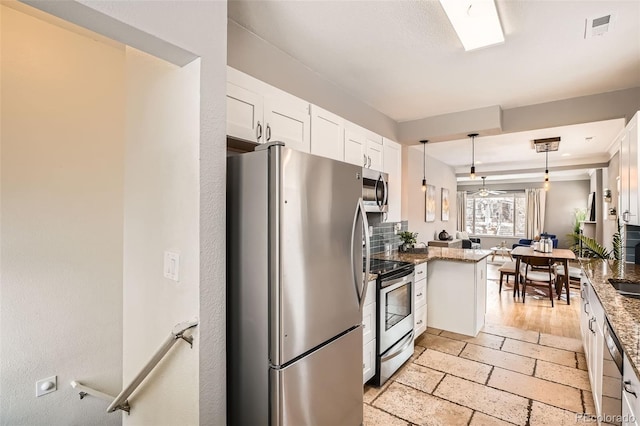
369 333
630 394
420 300
462 285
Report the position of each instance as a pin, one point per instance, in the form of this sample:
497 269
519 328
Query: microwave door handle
386 190
375 190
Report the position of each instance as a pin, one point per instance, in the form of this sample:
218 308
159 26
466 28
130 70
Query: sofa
467 241
526 242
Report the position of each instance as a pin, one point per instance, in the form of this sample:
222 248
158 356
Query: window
501 215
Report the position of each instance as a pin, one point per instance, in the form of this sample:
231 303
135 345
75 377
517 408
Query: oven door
395 310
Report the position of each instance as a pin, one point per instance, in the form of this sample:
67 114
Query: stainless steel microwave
375 191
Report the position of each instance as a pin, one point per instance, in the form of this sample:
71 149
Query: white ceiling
404 59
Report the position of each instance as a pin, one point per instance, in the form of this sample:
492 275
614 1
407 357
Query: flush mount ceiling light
424 165
472 173
547 144
476 22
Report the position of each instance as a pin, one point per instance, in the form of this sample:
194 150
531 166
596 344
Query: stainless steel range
394 317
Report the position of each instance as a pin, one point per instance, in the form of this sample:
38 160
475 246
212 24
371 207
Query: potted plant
409 240
591 248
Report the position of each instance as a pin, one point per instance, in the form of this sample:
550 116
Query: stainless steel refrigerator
295 289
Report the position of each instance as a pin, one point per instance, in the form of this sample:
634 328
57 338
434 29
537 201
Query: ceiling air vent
597 26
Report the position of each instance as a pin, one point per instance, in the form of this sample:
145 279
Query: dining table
560 255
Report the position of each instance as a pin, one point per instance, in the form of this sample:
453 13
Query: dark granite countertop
622 312
439 253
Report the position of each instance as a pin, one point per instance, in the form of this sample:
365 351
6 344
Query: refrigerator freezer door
316 290
322 388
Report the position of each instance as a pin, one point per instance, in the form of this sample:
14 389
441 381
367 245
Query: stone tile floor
503 376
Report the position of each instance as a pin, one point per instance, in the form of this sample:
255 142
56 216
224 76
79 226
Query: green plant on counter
592 248
408 238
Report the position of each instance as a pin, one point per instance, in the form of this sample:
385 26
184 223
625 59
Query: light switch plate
45 386
172 265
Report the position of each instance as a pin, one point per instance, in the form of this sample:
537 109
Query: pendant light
424 164
546 171
472 175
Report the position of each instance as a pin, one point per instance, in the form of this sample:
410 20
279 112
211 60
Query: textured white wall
438 174
201 28
160 213
62 129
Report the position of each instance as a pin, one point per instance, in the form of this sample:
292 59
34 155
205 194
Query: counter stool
507 269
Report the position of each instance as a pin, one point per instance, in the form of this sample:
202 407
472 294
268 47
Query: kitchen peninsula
456 287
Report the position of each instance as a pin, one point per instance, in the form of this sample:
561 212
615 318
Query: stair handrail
177 333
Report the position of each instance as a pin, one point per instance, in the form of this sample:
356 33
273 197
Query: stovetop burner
382 267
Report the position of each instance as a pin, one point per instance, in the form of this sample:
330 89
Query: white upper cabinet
261 113
362 147
374 151
288 122
327 134
629 172
354 147
392 161
244 113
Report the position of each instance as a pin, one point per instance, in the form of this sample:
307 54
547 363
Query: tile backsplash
383 233
631 239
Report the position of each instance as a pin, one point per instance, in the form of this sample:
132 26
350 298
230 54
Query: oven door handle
388 286
405 344
364 279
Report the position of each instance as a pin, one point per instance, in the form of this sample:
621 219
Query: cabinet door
368 323
584 315
392 162
288 122
420 325
374 151
631 392
327 134
368 361
354 148
632 137
244 114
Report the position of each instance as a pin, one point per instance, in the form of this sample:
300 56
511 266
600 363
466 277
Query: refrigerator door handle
355 265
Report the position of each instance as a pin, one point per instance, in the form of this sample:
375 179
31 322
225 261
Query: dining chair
507 269
537 271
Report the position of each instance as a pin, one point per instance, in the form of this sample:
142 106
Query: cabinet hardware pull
268 132
365 160
627 388
584 308
590 322
369 165
418 295
419 322
258 131
419 272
